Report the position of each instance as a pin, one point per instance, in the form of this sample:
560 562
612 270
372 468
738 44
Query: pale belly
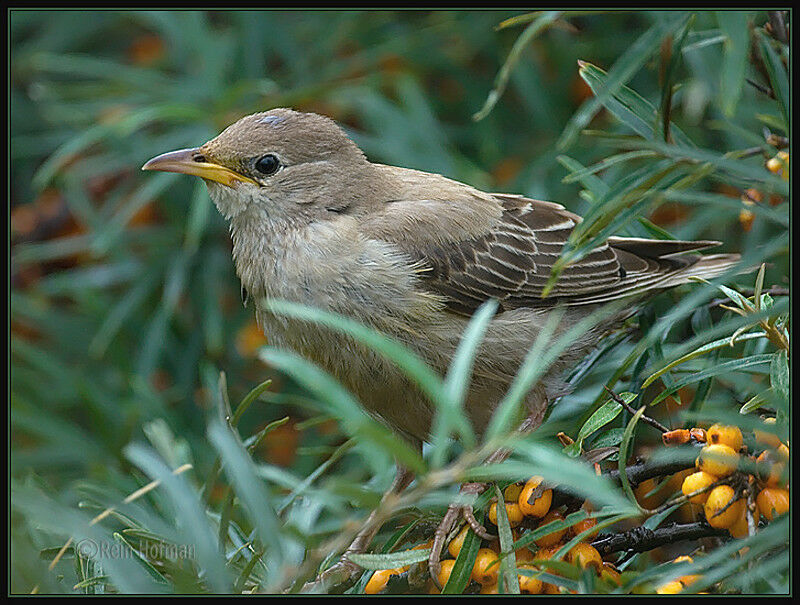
386 392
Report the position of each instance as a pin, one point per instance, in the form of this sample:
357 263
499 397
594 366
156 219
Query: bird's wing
509 253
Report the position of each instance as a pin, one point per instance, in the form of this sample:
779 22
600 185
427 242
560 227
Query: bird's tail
653 265
705 267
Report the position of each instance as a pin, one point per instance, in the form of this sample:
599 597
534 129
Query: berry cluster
719 487
528 506
735 487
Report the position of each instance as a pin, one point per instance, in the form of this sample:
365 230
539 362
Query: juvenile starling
413 255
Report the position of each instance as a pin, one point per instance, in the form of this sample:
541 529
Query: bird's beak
191 161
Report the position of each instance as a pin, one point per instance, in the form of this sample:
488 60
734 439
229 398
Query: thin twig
773 291
641 539
647 420
636 473
761 88
776 140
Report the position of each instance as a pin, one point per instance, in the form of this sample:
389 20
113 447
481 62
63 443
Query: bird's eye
268 164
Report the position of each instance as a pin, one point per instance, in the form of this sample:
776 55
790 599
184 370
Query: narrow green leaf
390 560
602 416
580 175
594 187
465 561
449 414
758 287
539 24
189 515
667 87
778 78
250 490
698 352
405 359
248 399
342 404
508 582
740 168
734 58
624 448
779 375
623 70
734 365
757 401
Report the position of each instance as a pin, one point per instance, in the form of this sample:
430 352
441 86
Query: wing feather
510 257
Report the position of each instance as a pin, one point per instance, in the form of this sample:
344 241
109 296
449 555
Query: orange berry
513 512
446 568
649 494
768 438
746 218
553 537
740 527
676 437
718 459
773 502
696 481
582 526
718 499
456 543
529 584
524 555
698 434
687 579
379 580
774 165
670 588
540 506
770 470
486 567
547 553
779 165
726 435
512 492
585 555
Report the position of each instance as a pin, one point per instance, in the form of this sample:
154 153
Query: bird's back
478 246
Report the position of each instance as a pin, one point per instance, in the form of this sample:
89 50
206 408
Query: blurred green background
124 302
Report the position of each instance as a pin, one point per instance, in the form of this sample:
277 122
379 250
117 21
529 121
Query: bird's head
284 162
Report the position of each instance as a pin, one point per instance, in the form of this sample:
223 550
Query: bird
413 255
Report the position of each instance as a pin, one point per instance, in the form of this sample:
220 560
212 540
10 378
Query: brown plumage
513 259
412 254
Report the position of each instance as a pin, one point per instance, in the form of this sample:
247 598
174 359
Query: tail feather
706 267
665 272
654 248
